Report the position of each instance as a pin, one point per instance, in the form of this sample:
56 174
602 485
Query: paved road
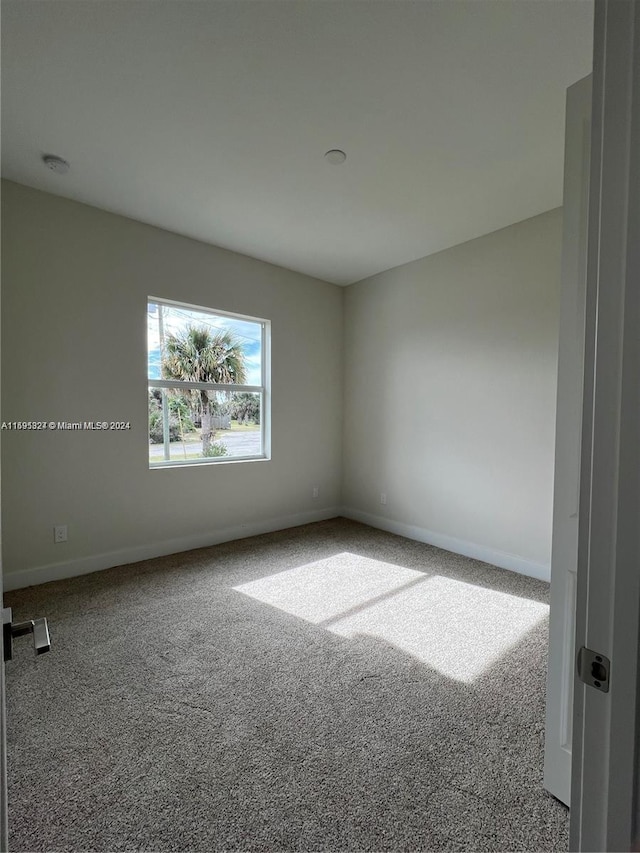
237 444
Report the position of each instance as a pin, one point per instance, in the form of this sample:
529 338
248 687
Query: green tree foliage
180 411
199 354
180 421
245 407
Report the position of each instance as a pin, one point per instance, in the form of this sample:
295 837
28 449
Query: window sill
206 462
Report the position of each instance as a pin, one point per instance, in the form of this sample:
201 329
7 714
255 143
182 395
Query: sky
177 318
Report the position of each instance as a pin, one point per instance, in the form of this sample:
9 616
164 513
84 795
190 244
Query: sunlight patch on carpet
327 588
457 628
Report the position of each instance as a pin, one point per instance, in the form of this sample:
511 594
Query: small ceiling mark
335 156
56 164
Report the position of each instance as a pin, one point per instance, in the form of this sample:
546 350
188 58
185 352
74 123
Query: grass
236 427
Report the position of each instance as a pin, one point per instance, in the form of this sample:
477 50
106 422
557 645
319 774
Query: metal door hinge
37 627
594 669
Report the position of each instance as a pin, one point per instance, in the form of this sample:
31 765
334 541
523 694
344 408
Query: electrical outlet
383 497
315 492
60 533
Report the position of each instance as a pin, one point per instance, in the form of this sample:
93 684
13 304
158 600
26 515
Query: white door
38 629
606 718
4 844
564 551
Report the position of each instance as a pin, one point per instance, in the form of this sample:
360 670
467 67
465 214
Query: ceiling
210 118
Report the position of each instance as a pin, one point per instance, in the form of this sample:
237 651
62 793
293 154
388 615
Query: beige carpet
330 687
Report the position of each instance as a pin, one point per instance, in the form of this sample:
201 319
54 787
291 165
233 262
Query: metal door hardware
594 669
37 627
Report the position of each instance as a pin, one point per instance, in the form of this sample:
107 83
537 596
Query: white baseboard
503 560
98 562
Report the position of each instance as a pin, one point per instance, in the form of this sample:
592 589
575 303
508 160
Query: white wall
75 284
450 382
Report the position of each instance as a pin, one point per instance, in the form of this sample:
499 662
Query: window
208 385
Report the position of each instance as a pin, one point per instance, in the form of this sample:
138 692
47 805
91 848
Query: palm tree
197 354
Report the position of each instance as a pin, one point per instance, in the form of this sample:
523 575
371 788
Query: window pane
153 341
204 425
237 423
191 345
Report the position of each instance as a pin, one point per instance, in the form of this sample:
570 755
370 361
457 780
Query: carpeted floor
330 687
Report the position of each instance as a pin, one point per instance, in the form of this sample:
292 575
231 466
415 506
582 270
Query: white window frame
263 389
